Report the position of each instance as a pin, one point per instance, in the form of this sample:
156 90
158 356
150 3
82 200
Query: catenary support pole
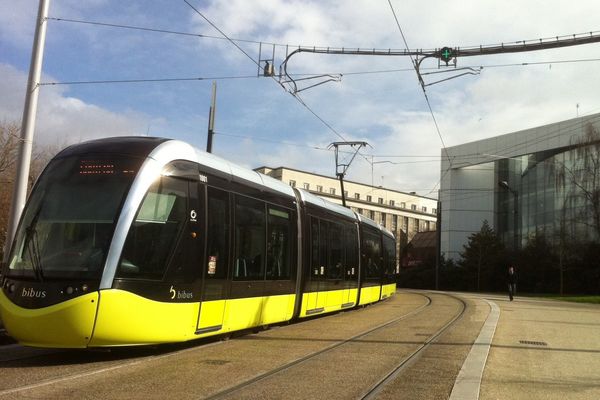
28 125
211 118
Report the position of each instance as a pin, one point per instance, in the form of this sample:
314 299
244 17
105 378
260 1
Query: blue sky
258 122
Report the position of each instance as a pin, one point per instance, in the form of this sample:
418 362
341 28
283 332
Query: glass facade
547 193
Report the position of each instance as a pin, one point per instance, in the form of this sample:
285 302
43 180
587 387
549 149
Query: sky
260 123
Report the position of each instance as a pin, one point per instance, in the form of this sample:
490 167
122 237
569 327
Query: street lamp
504 184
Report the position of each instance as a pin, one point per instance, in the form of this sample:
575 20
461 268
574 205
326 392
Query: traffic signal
447 54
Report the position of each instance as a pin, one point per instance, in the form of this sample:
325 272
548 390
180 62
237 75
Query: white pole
28 125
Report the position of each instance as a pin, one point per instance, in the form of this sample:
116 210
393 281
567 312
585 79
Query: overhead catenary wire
296 96
414 63
254 41
351 73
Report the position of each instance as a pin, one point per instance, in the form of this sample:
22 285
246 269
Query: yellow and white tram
133 241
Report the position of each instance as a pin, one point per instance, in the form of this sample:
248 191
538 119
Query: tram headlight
84 287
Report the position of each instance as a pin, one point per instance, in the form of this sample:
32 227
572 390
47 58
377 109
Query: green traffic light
446 54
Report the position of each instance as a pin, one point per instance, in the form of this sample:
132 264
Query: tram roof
310 198
177 150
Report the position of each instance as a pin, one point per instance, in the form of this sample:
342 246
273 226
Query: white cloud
387 110
62 119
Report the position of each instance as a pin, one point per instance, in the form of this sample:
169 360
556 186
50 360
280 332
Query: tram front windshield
69 220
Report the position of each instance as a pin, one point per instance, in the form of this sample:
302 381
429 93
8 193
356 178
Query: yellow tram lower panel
68 324
369 294
125 318
257 311
128 319
388 290
315 303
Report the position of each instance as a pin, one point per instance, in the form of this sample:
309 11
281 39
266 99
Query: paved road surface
412 346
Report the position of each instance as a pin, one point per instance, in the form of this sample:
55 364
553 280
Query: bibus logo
33 294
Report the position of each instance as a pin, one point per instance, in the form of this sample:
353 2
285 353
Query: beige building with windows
404 214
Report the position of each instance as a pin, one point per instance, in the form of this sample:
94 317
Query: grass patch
578 299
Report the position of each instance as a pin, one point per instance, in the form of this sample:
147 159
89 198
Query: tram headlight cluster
69 290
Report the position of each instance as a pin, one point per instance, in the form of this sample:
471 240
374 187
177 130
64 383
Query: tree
9 143
579 178
538 265
484 259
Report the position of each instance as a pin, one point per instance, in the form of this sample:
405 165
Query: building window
380 200
392 203
424 209
372 214
292 183
403 205
360 211
434 211
331 190
383 218
307 186
369 198
413 207
405 224
345 194
357 196
319 188
394 222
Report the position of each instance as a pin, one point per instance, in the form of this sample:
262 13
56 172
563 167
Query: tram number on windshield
203 178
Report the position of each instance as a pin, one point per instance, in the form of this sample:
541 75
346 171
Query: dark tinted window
154 232
314 247
278 243
323 239
371 252
336 252
389 249
351 246
217 236
250 235
69 219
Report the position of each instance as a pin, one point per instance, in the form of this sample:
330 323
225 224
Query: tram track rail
243 385
374 390
253 382
149 358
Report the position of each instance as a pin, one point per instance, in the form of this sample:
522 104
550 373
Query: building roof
423 240
335 179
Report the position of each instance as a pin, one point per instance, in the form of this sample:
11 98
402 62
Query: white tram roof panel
178 150
310 198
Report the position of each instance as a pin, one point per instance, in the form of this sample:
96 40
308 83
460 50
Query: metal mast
28 124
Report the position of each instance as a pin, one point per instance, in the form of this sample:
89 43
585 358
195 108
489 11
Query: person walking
512 282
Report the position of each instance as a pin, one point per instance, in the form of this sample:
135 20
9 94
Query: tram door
215 266
316 295
351 272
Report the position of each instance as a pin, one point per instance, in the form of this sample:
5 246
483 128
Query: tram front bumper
65 325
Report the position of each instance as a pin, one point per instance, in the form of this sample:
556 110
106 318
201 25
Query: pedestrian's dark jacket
511 278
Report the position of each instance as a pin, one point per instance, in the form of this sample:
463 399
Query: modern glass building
544 180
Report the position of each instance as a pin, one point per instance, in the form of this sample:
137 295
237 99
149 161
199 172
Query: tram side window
372 255
336 252
314 247
278 244
250 232
323 238
351 238
218 234
389 248
154 232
